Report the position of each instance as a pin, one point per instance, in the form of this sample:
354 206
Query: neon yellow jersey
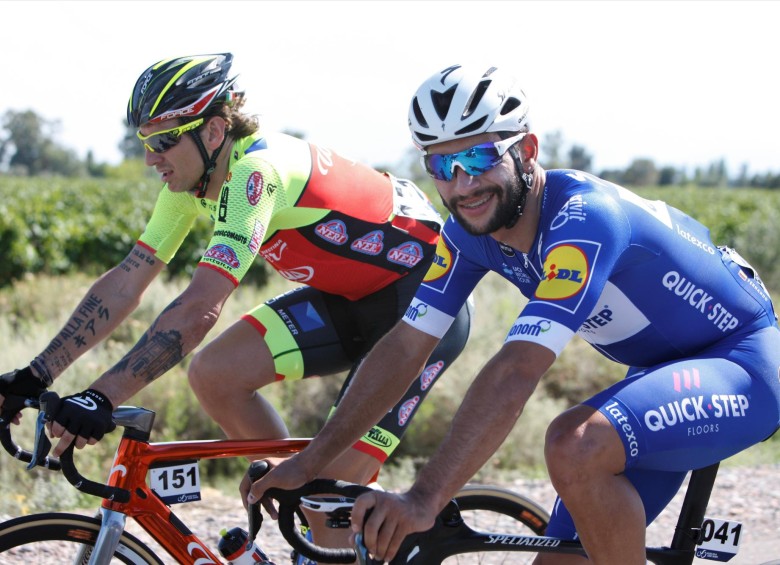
314 216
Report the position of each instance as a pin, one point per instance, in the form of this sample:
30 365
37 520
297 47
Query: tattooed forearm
77 334
175 304
153 356
134 260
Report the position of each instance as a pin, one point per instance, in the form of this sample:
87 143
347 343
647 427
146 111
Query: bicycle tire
41 538
496 509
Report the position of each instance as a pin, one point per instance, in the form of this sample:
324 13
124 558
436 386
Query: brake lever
48 402
42 445
257 469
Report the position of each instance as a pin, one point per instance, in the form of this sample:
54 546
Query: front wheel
63 538
498 510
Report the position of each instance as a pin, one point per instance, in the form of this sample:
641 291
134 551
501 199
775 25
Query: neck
220 172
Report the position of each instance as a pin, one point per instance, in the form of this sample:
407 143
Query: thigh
299 329
688 414
694 412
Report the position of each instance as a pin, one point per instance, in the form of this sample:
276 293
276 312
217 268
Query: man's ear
215 132
529 148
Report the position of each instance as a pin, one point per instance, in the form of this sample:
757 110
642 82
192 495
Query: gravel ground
750 495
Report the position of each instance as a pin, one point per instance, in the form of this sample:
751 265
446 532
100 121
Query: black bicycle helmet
182 87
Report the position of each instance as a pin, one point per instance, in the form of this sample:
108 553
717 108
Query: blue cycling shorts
688 414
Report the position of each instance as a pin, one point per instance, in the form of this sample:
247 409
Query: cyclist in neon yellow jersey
357 240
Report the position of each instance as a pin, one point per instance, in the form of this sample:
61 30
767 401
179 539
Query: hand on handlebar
85 417
17 385
385 519
287 475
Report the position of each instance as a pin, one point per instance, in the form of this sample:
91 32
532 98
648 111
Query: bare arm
383 377
106 304
178 330
488 413
490 409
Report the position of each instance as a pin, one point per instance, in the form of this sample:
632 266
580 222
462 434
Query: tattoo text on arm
78 330
135 261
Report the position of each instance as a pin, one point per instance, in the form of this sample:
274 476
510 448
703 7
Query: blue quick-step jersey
639 280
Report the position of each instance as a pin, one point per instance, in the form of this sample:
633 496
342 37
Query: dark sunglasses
161 141
474 160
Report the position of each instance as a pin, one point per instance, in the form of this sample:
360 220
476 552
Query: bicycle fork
111 529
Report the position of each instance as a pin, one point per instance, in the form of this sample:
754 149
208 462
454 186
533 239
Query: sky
683 83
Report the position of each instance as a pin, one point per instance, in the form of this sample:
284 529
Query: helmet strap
528 181
209 163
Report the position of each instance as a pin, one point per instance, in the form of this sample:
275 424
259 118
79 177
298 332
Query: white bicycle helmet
463 101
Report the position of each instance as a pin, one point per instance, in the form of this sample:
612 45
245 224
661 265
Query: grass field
34 308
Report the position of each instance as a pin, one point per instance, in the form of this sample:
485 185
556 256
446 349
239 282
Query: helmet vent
472 126
476 98
442 101
425 137
418 113
510 105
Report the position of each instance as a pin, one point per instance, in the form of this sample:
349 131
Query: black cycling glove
16 387
86 414
21 382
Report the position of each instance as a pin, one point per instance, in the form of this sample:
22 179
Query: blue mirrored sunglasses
474 160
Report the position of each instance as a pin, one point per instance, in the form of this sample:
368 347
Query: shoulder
271 157
581 197
268 147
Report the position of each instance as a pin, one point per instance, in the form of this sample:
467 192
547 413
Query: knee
579 444
202 374
571 448
562 446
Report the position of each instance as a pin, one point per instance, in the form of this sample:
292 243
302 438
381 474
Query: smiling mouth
477 203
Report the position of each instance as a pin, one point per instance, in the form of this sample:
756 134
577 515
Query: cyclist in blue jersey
639 280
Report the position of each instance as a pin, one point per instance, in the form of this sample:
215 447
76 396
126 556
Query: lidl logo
566 272
442 261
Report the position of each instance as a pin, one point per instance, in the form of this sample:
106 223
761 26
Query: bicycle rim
498 510
63 538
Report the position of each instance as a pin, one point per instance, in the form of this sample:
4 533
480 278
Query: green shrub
745 219
58 226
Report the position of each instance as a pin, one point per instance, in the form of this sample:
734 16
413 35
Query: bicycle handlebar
11 406
289 501
448 523
48 403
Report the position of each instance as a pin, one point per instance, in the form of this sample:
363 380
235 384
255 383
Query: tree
716 174
580 159
28 144
131 147
551 149
641 172
668 176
